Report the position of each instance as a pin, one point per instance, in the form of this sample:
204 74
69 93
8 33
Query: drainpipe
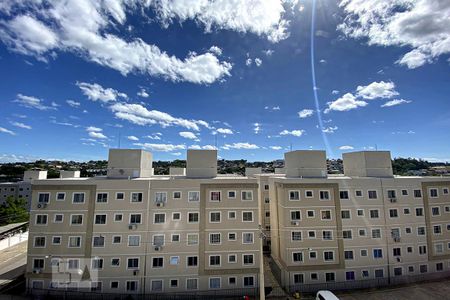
386 233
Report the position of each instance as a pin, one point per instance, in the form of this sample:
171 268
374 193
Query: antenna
215 141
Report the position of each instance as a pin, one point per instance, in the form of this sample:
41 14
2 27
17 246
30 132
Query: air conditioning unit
41 205
37 271
295 223
135 272
132 226
393 200
158 248
160 204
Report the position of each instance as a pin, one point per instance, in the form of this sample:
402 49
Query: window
297 256
41 219
408 230
132 286
76 219
232 194
423 268
175 237
347 234
266 187
398 271
350 275
294 195
136 197
419 212
56 240
327 235
360 212
193 217
193 196
192 261
362 232
44 197
404 192
60 196
248 259
157 262
358 193
376 233
115 262
102 197
78 198
374 214
267 214
73 264
214 283
435 211
159 218
330 277
249 281
312 254
160 197
38 263
118 217
296 235
439 267
409 249
417 193
39 241
191 283
379 273
214 260
158 240
214 196
393 213
314 276
266 200
232 236
363 252
396 251
377 253
173 283
231 215
437 229
365 273
420 230
232 258
309 194
247 216
295 215
328 255
134 240
345 214
74 241
214 217
310 213
247 238
312 234
99 241
343 195
192 239
100 219
135 218
326 214
114 284
247 195
439 248
214 238
411 269
422 250
391 194
133 263
120 196
433 193
372 194
97 263
176 195
406 211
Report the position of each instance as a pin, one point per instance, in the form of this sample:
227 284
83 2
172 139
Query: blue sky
167 76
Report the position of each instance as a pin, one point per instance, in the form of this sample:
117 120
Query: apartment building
133 232
365 224
21 189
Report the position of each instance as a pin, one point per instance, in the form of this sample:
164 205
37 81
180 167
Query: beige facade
194 230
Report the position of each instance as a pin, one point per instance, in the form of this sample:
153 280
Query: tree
13 211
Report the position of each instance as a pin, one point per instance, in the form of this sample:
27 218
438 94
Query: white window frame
60 193
73 197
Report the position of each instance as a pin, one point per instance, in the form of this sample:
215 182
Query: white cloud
330 129
95 132
143 93
346 147
377 90
32 102
258 62
298 132
224 131
205 147
276 147
93 129
83 28
95 91
161 147
273 108
305 113
176 153
240 146
156 136
73 103
248 62
138 114
256 128
421 25
323 61
334 92
395 102
4 130
216 50
261 17
21 125
188 135
345 103
132 138
268 52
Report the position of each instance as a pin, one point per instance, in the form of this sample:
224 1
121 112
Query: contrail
313 75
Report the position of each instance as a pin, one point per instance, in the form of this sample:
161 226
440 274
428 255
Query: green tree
13 211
